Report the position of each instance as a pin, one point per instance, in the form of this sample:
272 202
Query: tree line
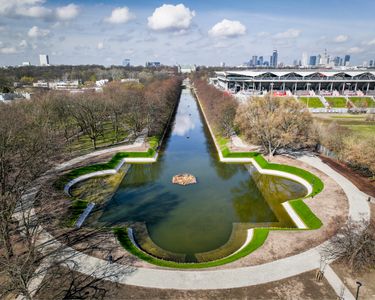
34 135
29 74
270 122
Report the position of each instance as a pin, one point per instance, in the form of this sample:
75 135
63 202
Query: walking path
227 278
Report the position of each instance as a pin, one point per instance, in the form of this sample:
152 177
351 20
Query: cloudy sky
202 32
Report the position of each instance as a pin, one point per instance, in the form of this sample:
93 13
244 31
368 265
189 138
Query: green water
197 218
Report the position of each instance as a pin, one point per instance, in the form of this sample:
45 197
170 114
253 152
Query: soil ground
303 286
365 184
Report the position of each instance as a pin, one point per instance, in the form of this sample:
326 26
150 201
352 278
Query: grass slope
312 102
337 102
362 102
260 235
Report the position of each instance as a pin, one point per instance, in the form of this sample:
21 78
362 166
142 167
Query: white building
44 60
186 69
101 83
64 85
41 84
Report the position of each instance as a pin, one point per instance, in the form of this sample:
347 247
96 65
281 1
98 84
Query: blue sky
201 32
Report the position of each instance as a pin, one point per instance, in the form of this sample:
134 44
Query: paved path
358 205
227 278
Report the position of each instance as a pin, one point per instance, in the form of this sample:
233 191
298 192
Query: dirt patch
363 183
349 278
303 286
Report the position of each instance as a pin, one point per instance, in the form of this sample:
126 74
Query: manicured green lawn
336 102
362 102
84 144
312 102
259 237
307 216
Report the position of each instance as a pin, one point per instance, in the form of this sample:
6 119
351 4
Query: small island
184 179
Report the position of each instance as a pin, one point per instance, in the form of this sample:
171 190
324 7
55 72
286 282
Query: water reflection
183 125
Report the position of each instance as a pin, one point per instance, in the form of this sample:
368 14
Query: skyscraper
260 61
346 60
44 60
336 61
274 58
318 59
304 59
312 61
254 60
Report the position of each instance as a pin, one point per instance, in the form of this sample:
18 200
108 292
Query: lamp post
358 286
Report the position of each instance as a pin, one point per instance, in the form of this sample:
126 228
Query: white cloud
371 43
33 12
28 8
100 46
289 34
120 15
227 28
8 50
355 50
36 32
68 12
341 38
171 17
36 9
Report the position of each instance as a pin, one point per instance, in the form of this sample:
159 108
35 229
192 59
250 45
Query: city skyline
90 32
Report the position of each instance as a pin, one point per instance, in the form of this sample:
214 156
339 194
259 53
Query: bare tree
220 107
360 154
90 111
354 245
275 123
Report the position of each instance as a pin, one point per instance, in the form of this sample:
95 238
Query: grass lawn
356 123
363 131
312 102
336 102
362 101
259 237
84 143
307 216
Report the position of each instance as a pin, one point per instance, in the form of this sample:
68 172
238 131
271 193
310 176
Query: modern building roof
279 73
